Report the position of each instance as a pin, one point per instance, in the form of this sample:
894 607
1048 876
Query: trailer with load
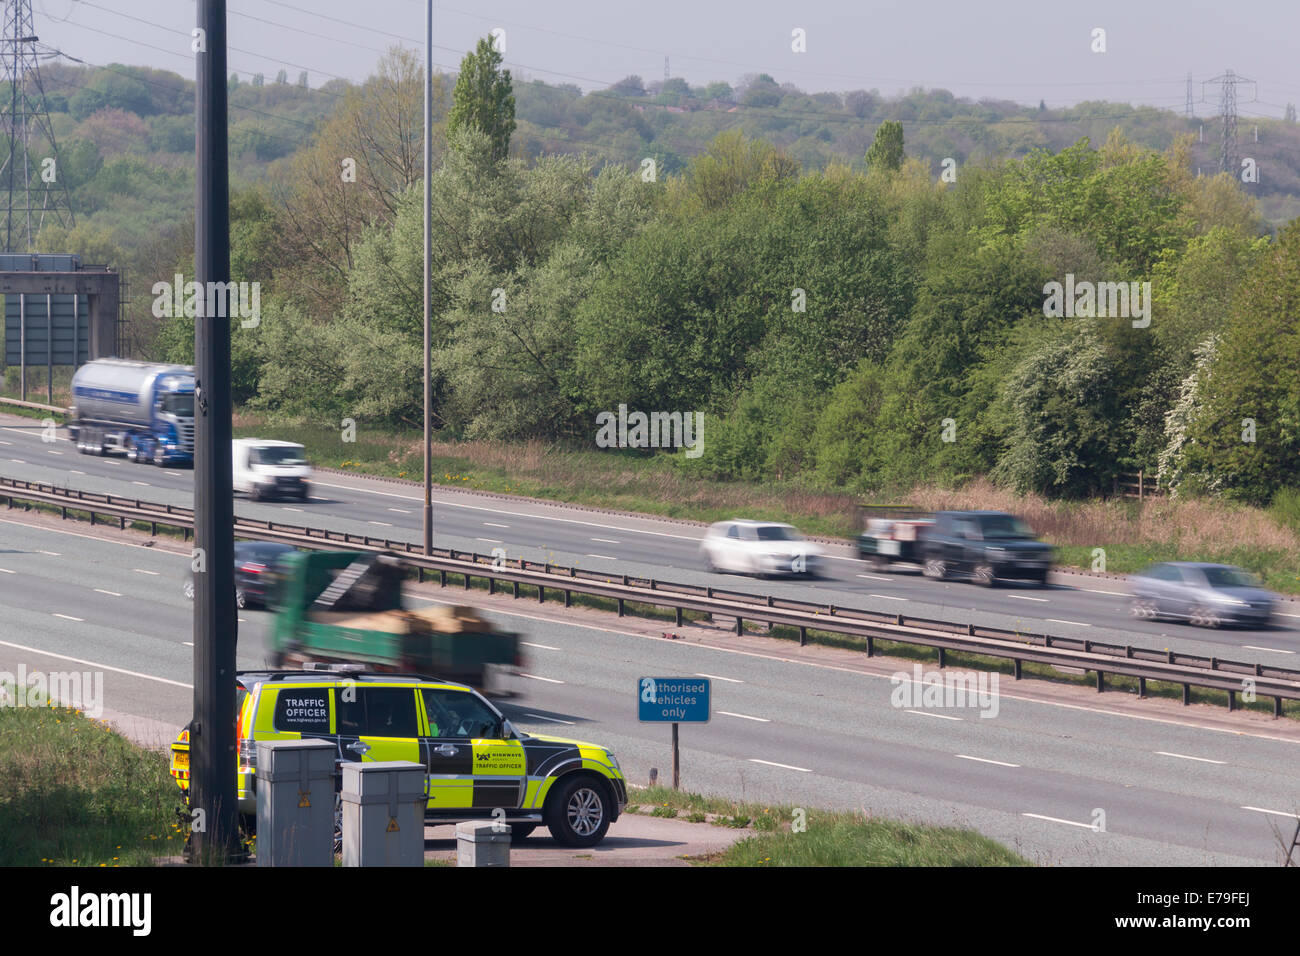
985 546
346 607
141 409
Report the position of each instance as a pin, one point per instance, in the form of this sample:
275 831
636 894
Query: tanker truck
140 409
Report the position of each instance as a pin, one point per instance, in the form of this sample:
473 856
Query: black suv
986 545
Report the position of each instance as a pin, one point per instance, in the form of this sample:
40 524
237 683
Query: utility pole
35 184
1189 108
428 301
213 760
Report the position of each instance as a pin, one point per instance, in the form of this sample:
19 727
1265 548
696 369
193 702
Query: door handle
359 746
446 750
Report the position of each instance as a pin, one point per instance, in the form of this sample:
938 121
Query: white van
265 468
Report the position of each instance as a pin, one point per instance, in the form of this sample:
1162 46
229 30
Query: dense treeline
852 324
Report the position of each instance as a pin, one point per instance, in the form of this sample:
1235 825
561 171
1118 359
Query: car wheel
189 589
936 569
1205 617
519 832
708 562
984 576
577 812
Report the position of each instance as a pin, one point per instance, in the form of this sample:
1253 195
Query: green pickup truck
346 607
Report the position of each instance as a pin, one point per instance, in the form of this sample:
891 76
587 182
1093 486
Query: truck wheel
936 569
159 456
984 576
877 563
577 811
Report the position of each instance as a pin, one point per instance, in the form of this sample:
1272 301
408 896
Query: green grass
78 794
827 837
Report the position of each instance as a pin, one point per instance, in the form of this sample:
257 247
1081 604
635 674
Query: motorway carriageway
662 549
806 733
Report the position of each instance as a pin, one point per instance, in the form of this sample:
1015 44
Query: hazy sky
1022 50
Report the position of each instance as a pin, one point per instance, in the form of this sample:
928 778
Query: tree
886 150
483 97
259 79
302 79
629 86
1290 113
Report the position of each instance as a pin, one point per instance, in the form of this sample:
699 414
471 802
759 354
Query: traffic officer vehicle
477 763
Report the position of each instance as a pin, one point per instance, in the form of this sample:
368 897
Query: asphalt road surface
1066 781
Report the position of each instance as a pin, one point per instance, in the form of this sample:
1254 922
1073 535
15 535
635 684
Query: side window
378 712
454 713
305 711
733 532
1190 575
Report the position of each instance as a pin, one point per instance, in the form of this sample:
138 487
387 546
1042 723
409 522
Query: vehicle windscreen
182 406
278 455
778 533
1230 578
1003 527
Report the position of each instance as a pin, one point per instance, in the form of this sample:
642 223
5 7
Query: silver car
1207 595
759 548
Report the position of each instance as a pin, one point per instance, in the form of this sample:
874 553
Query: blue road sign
673 699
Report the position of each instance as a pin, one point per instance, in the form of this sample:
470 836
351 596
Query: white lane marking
106 667
1275 650
145 483
69 617
493 524
242 620
143 571
1280 614
1166 753
18 461
996 763
923 713
53 452
545 647
783 766
1276 813
109 593
187 643
400 511
512 514
74 471
6 443
603 557
1025 597
606 540
875 577
53 554
1057 620
1072 823
490 540
549 680
291 509
382 524
7 571
761 720
887 597
172 474
729 680
554 720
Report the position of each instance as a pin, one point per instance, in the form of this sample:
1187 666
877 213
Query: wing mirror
507 731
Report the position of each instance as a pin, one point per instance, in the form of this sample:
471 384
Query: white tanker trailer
141 409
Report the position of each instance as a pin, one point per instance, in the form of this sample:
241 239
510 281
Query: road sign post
674 700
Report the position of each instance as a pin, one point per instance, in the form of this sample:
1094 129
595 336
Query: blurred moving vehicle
142 409
255 572
986 545
759 548
265 468
1207 595
891 535
346 607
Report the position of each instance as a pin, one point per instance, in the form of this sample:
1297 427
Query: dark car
1208 595
254 572
986 546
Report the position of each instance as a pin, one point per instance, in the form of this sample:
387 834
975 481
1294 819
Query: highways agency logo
933 690
83 691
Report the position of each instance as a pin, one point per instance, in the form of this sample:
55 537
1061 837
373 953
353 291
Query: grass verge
77 793
795 836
